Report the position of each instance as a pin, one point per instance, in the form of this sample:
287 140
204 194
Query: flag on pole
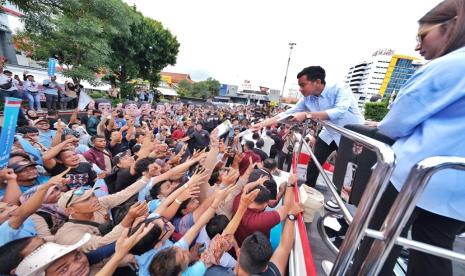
10 113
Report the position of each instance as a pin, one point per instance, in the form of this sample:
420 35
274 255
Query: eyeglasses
166 227
77 192
424 32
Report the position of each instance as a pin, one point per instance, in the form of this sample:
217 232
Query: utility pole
291 47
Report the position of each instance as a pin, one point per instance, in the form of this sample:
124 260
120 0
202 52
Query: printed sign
8 129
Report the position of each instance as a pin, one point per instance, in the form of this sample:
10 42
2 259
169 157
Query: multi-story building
400 69
246 93
365 78
382 74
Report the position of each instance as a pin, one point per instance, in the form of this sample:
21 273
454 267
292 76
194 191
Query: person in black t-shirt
118 143
200 137
81 173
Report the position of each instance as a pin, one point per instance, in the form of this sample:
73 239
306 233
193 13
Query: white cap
37 262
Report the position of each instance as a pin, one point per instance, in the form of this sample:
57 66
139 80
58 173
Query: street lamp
291 47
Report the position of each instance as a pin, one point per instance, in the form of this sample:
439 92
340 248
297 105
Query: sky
239 40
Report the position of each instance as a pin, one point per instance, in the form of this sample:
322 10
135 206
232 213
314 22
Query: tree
206 89
184 88
143 52
78 35
376 110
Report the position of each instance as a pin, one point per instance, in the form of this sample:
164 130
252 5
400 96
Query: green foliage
202 89
127 91
95 94
184 88
143 52
90 37
376 110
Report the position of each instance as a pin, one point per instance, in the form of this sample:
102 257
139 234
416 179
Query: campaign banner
52 63
10 118
84 100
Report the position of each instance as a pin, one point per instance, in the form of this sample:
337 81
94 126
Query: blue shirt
8 234
144 260
41 179
46 137
428 119
52 87
340 105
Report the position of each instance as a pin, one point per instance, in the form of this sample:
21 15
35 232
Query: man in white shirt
269 142
8 85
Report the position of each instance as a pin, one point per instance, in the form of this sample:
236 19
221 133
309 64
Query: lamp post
291 47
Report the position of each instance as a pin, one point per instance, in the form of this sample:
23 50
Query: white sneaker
327 266
332 206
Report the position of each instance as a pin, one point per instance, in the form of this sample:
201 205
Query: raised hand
237 159
248 198
190 192
125 242
57 179
138 209
231 177
7 174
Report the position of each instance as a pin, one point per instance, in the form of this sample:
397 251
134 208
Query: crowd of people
143 189
55 95
139 189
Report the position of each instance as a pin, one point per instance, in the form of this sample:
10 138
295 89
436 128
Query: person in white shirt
31 87
269 142
8 85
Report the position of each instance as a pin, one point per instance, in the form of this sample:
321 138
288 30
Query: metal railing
375 187
401 211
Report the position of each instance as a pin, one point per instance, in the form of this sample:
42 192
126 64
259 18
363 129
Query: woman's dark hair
214 177
155 191
216 225
142 165
444 12
27 130
11 254
182 206
164 263
148 241
313 73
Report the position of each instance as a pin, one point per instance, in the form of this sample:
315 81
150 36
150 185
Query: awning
167 92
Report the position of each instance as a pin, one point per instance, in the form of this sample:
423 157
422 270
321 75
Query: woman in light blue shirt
428 119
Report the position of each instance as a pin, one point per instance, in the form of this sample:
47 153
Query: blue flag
10 118
52 63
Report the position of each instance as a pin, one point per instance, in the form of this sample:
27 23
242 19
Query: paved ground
322 252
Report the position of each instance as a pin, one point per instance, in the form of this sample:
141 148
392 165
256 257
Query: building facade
380 75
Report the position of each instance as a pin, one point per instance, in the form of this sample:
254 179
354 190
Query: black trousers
426 227
322 151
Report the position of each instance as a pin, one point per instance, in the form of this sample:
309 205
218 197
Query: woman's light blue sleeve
424 95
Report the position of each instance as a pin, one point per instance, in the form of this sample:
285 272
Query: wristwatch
308 115
291 217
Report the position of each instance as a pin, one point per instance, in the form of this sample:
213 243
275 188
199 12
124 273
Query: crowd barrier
301 261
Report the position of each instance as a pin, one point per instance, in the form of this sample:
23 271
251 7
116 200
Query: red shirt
254 220
244 164
178 134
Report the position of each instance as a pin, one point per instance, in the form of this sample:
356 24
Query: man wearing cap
15 221
89 214
56 259
27 175
45 133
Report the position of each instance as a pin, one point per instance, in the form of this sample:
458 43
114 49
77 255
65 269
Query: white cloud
237 40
